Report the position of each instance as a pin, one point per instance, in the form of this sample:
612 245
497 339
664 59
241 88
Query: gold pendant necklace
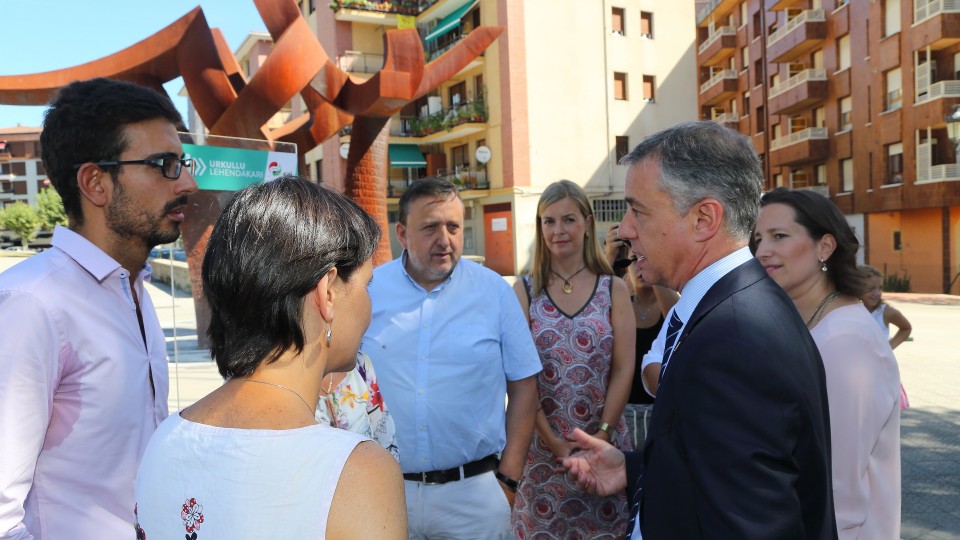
567 287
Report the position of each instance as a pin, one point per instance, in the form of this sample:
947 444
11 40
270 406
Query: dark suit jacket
739 442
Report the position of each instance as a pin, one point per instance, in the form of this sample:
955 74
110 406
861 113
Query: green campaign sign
229 169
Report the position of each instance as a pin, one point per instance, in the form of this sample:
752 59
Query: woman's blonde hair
542 258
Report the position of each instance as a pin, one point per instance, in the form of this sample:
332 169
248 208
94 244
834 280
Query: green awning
450 22
404 156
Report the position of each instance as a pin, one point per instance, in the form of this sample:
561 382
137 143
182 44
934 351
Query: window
846 116
313 5
799 179
468 239
778 180
609 209
458 93
616 21
746 102
821 175
623 147
745 57
891 17
756 25
318 170
19 168
897 244
820 117
743 14
649 87
894 97
478 88
846 174
619 85
758 72
895 163
460 156
843 53
646 24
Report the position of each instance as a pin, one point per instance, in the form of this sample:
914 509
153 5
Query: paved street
929 366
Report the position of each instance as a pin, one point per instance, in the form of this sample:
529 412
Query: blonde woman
583 326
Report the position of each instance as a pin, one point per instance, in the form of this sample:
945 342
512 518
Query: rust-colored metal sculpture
231 105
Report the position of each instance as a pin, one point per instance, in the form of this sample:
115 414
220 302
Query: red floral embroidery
192 515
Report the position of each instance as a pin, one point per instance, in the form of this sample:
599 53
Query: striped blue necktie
673 333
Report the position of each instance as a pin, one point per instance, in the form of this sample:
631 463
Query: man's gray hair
700 160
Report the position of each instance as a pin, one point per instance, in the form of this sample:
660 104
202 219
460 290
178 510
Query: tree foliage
50 209
22 219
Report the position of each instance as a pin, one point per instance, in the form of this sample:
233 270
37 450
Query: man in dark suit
739 442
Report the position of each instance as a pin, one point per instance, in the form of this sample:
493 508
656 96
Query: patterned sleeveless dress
576 352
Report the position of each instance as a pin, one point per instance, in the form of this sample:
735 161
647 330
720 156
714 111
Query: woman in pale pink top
807 247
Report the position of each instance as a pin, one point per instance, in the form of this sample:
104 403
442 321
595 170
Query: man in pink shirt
83 371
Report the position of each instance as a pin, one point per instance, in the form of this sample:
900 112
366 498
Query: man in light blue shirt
449 341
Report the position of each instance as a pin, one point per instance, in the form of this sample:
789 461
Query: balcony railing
804 76
808 134
726 118
722 31
807 15
466 177
719 76
360 62
925 9
464 113
942 89
935 173
702 14
402 7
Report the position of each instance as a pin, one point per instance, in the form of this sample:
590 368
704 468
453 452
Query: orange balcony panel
800 152
720 91
722 48
798 41
800 97
931 113
938 32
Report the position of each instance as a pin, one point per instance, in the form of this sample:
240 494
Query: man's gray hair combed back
700 160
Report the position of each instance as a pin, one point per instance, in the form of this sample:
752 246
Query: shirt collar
403 268
93 259
695 289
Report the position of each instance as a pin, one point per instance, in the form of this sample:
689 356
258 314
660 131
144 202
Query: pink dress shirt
80 392
863 387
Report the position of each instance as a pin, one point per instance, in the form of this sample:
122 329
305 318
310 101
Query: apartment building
22 175
852 98
568 88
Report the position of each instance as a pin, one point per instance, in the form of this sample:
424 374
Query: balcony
453 123
723 85
727 118
360 62
719 46
715 10
799 92
936 24
934 102
938 173
378 13
800 36
810 144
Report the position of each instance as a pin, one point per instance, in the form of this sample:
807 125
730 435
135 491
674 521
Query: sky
44 35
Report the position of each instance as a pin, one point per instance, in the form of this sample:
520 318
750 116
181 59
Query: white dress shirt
81 391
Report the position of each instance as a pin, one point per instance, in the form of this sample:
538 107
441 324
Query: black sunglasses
170 166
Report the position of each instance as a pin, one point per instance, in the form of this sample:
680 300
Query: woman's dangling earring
329 333
823 268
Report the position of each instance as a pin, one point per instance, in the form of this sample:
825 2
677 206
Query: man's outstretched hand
597 466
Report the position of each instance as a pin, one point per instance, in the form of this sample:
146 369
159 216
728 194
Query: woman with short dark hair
286 273
807 247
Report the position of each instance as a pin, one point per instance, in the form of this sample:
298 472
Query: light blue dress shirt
443 359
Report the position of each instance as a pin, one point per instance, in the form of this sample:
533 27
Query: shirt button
420 392
422 357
